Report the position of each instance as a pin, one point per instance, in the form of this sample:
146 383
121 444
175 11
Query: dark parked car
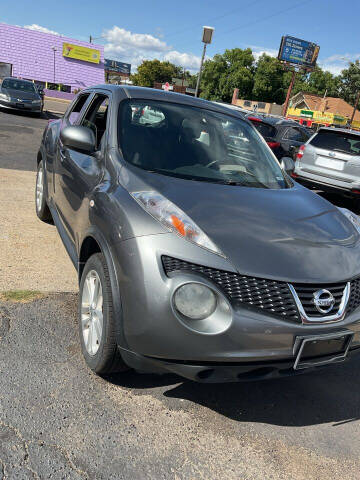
284 137
195 252
21 95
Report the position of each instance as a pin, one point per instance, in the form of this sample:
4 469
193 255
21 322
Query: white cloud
121 40
258 51
189 60
133 48
39 28
338 62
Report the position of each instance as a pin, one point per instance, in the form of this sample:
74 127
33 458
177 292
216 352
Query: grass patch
22 296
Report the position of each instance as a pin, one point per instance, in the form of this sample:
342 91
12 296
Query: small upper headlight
195 301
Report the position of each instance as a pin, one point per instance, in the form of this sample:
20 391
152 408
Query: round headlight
195 301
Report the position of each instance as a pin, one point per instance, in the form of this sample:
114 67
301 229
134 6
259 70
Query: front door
79 173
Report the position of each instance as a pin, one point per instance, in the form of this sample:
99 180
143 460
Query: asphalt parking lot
59 421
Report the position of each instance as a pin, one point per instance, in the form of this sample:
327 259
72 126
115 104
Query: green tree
269 85
349 81
151 71
233 69
321 82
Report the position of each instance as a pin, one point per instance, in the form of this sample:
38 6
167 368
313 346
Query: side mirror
288 165
79 138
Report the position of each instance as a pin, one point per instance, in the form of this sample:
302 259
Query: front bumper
222 372
25 107
156 335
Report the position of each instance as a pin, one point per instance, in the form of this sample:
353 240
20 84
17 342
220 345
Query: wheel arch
95 242
39 157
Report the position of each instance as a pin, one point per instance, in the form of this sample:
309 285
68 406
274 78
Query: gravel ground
31 254
59 421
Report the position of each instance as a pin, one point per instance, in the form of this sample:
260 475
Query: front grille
354 300
306 292
270 295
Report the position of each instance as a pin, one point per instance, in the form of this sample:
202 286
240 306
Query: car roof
275 121
343 130
145 93
19 79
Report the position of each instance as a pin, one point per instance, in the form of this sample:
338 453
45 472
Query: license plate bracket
330 348
333 163
20 105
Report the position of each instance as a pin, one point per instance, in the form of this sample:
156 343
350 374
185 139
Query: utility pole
355 107
206 39
90 39
54 49
286 104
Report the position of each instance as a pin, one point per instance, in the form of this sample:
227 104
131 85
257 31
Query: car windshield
18 85
196 144
337 141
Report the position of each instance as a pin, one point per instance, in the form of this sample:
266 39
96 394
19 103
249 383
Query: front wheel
42 209
97 322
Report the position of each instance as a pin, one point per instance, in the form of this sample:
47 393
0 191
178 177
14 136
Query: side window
74 113
293 134
96 117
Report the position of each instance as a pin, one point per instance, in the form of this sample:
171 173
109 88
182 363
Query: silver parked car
20 95
330 160
196 253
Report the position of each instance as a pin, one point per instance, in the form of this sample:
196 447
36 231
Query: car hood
291 234
20 94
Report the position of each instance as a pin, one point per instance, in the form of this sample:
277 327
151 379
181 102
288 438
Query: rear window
337 141
265 129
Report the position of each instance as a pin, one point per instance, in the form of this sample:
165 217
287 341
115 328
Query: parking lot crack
4 322
67 456
25 446
2 470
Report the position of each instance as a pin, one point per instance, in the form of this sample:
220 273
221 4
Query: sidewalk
31 255
56 105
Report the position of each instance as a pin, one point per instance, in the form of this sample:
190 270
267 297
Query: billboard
298 52
81 53
118 67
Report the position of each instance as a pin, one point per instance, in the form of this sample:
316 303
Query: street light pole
54 49
206 39
355 107
286 104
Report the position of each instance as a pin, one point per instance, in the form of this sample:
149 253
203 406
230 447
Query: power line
218 17
250 24
269 16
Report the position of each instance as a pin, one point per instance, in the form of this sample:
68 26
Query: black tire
42 209
107 359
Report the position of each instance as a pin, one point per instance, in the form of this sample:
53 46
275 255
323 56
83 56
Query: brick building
58 63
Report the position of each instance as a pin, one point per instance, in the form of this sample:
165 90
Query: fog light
195 301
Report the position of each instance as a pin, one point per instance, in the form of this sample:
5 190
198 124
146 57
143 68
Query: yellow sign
81 53
323 117
356 124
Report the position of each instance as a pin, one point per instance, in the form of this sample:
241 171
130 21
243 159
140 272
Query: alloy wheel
92 312
39 188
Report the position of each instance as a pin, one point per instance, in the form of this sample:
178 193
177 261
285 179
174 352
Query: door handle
62 153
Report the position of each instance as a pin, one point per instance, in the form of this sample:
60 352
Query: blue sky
135 30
